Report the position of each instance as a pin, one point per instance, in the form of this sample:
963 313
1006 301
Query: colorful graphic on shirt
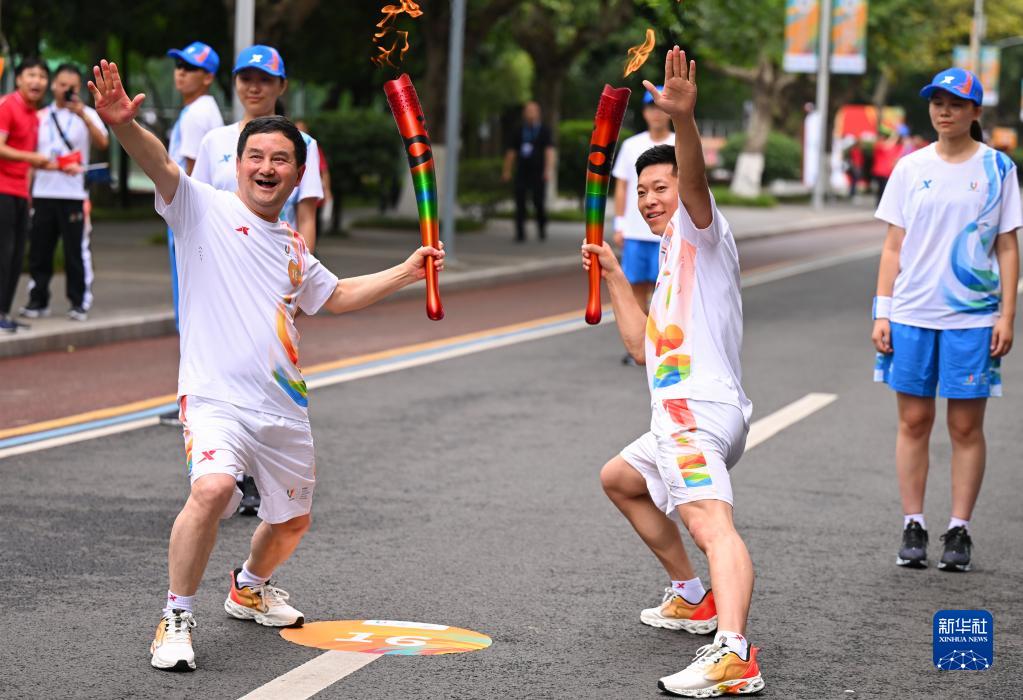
670 311
673 370
972 263
671 338
290 379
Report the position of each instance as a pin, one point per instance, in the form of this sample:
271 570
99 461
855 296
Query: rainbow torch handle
408 115
606 125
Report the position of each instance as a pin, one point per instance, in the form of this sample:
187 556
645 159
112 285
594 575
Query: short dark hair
656 156
31 62
68 68
269 125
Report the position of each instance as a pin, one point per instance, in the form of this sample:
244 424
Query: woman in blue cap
259 82
945 304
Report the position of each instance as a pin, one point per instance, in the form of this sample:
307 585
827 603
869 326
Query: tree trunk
767 88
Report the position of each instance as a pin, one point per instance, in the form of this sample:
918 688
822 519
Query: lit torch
408 114
606 125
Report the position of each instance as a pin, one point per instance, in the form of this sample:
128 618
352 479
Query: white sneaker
676 613
266 604
172 646
716 670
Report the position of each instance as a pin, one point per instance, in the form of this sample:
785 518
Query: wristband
882 307
619 223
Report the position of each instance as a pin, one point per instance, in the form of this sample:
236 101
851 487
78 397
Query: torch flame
386 26
639 54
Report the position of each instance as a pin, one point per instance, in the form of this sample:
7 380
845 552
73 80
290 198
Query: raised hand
678 98
112 103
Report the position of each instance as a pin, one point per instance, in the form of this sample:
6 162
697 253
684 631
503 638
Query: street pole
823 80
244 37
451 128
976 35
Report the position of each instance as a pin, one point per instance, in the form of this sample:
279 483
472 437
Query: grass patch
408 223
724 196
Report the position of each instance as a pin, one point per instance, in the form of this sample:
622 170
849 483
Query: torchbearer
244 273
690 343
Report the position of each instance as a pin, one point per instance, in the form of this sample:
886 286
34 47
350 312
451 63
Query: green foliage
480 185
573 147
782 156
363 151
725 197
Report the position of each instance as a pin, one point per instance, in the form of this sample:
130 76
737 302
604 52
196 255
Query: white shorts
687 453
221 438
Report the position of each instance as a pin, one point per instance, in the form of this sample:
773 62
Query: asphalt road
465 493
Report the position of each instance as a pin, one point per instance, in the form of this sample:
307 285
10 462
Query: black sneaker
34 310
913 552
956 556
249 504
77 313
628 360
7 325
171 418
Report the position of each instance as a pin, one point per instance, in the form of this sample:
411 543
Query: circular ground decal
387 637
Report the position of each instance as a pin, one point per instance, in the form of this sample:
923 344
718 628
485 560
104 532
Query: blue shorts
639 260
957 359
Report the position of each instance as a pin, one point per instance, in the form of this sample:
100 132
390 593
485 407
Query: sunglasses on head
185 65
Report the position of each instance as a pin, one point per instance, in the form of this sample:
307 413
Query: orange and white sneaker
676 613
716 670
266 604
172 647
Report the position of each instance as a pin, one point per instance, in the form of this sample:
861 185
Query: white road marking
313 676
328 668
769 426
79 437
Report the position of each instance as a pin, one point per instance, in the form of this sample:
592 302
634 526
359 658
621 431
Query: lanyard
63 136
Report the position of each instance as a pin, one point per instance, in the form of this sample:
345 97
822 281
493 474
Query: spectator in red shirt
19 134
886 155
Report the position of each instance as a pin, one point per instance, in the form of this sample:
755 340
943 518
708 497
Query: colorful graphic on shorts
683 438
387 637
290 379
674 369
694 470
679 412
186 433
975 283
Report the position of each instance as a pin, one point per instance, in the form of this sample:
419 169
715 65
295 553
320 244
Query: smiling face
258 91
658 195
268 173
31 83
951 116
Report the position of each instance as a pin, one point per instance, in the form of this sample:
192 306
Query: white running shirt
952 213
694 330
631 149
54 184
215 165
194 122
241 279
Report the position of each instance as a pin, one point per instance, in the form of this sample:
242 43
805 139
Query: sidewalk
132 287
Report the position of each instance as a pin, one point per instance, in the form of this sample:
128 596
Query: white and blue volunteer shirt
194 122
952 213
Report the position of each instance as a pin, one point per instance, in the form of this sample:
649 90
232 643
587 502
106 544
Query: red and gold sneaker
266 604
676 613
716 670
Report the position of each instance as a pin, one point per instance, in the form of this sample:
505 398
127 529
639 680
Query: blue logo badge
964 640
926 184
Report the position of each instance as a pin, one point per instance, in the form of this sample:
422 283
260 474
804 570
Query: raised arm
118 112
678 100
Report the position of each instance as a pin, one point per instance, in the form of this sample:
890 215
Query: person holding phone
67 130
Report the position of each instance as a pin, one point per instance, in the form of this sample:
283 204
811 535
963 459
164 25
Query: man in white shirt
690 342
195 67
244 274
67 131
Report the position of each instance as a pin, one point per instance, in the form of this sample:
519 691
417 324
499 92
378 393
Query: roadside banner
848 36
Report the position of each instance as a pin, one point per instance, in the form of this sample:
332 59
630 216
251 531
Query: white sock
692 591
247 578
734 641
958 522
919 517
178 602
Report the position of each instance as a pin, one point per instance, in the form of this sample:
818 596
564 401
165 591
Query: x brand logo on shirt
207 454
927 184
243 229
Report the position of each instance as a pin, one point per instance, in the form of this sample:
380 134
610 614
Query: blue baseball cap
199 55
959 82
648 99
265 58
